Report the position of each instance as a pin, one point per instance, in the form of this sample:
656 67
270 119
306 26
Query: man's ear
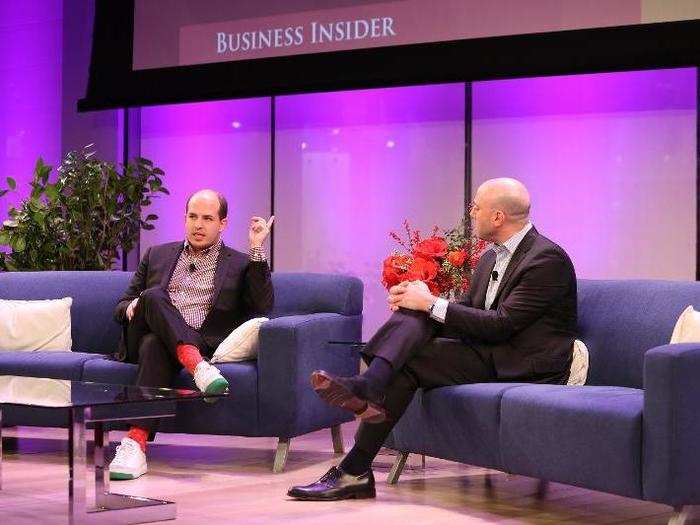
224 223
500 217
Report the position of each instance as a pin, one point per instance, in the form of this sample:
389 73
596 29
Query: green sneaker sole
120 476
218 386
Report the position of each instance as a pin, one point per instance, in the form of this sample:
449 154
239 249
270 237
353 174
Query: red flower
457 258
394 269
432 247
424 259
443 283
434 288
422 269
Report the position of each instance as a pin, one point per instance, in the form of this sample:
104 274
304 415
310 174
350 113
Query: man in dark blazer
518 323
184 299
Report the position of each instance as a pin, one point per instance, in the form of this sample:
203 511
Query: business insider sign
379 24
369 25
316 33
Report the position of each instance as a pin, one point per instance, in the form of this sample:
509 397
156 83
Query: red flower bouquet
443 262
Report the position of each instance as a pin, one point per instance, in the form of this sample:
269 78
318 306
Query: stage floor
229 480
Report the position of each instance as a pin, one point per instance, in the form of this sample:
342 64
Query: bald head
508 195
210 195
205 219
501 208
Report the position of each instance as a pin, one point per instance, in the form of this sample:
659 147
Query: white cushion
35 391
29 326
579 365
241 344
687 329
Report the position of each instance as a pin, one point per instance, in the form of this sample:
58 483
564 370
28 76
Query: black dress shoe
335 485
350 393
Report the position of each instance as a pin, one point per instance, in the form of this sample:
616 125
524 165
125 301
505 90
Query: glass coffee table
97 403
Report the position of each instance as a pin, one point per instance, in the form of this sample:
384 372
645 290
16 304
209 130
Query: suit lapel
489 260
221 269
515 261
171 261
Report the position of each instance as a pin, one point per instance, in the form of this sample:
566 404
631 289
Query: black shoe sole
318 497
337 395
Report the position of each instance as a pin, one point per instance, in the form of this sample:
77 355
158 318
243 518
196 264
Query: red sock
189 357
140 435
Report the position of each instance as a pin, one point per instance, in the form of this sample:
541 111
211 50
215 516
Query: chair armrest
671 423
290 349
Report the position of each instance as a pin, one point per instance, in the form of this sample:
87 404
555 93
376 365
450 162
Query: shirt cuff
439 312
257 255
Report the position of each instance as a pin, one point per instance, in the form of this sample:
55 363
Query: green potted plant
83 219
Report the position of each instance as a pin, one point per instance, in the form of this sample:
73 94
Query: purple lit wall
219 145
351 166
610 160
44 60
100 128
30 91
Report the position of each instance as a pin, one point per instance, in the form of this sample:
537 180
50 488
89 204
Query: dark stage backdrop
166 51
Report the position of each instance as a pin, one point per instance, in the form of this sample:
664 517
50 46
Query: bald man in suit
518 323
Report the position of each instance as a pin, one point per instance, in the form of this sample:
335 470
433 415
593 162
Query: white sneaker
129 461
209 380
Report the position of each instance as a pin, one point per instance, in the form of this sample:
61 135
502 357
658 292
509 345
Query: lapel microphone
494 275
192 267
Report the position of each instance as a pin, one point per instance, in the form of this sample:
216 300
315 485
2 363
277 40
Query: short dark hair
223 205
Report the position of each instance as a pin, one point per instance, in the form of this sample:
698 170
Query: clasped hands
412 295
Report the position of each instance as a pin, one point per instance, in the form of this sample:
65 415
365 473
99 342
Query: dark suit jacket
242 290
531 325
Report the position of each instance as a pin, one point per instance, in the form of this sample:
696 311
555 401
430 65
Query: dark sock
357 462
378 374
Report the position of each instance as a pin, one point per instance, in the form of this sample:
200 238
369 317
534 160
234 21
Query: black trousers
153 334
423 355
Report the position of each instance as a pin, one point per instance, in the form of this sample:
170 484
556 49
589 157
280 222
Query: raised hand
259 230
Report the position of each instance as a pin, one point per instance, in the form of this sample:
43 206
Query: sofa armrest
290 349
671 422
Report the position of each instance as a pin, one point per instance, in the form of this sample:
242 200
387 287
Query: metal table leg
109 508
101 470
77 451
0 448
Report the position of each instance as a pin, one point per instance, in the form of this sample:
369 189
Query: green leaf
51 192
18 244
152 217
39 218
3 192
4 237
11 183
34 204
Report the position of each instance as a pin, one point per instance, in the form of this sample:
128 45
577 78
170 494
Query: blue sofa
269 397
632 430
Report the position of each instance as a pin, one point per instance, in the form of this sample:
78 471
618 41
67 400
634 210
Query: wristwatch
430 310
